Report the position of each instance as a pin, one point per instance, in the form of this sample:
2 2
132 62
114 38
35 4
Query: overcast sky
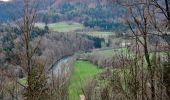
5 0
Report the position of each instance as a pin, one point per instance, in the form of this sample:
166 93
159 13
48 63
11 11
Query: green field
99 34
110 52
83 70
23 81
62 26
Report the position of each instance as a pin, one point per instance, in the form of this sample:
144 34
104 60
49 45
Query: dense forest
92 14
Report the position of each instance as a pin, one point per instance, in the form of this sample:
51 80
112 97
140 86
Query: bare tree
34 67
143 14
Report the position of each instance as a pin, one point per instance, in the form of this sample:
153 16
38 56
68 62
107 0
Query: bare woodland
142 74
147 78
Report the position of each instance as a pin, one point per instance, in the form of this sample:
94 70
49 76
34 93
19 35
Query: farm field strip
83 70
62 26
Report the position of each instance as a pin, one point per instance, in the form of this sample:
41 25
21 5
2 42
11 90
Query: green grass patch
62 26
23 81
101 34
110 52
83 70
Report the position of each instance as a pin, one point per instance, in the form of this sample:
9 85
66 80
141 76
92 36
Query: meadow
62 26
83 70
100 34
110 52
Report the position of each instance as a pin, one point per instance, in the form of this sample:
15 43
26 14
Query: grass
110 52
83 70
62 26
23 81
100 34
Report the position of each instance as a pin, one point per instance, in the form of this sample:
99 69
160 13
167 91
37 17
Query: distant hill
91 13
13 9
8 9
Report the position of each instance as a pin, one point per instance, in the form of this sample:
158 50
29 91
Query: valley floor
83 70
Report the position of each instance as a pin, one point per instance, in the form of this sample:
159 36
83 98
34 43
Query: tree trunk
168 12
